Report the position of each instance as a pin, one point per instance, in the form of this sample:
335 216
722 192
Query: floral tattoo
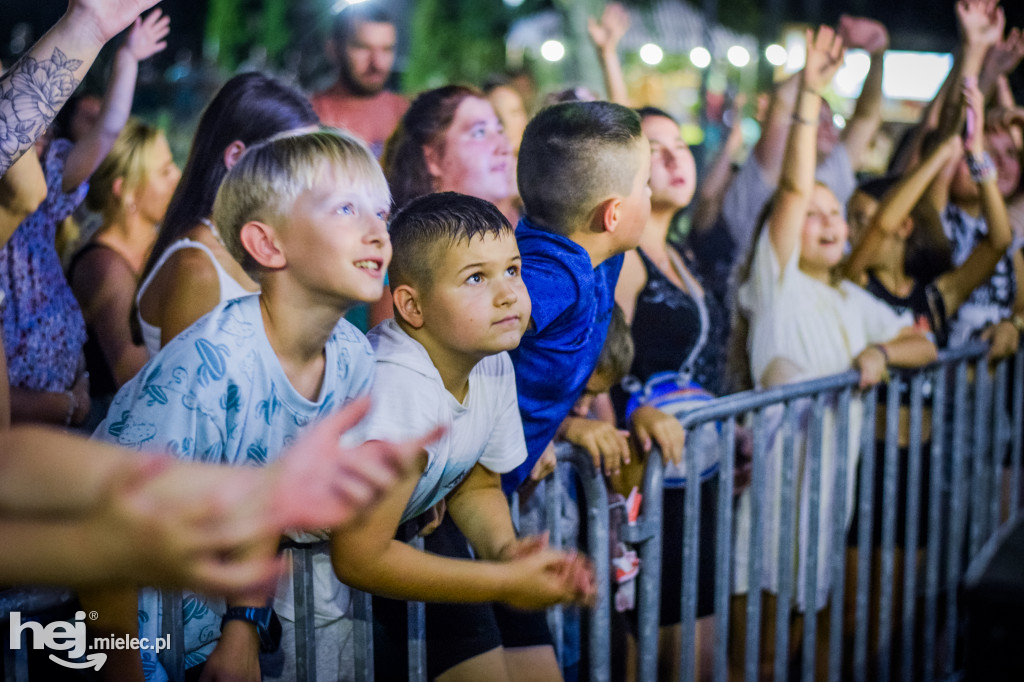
31 94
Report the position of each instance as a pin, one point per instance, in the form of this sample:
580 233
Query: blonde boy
306 216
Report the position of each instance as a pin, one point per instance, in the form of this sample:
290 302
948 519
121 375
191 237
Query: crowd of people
524 282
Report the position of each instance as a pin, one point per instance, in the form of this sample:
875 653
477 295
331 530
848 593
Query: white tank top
229 288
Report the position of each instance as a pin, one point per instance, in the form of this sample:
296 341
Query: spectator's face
162 175
859 212
1005 156
87 112
597 384
474 157
335 238
477 304
825 232
509 106
673 171
367 57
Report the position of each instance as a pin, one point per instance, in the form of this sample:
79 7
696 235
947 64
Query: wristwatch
268 627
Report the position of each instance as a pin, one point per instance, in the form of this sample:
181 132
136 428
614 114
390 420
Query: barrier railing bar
1016 433
787 545
553 512
691 551
864 536
362 635
982 425
649 582
957 513
595 495
838 578
305 632
911 532
173 622
727 445
997 445
890 471
755 551
417 650
932 563
812 461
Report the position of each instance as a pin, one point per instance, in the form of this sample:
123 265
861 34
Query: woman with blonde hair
130 189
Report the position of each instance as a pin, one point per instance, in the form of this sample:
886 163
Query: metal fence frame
974 516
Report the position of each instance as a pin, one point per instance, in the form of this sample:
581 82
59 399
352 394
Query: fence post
723 559
647 535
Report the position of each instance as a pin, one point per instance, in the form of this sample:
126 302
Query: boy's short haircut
429 225
573 156
616 357
270 176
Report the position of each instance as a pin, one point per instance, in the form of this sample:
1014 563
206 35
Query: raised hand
863 33
606 33
981 21
147 35
1004 56
824 57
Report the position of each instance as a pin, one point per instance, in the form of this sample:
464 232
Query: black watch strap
268 627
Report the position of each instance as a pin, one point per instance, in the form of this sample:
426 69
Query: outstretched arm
144 40
37 86
711 189
605 35
107 516
22 189
824 55
957 285
869 35
896 207
366 556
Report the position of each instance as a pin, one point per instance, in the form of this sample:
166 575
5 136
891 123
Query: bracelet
804 121
881 348
812 91
1017 321
72 406
981 168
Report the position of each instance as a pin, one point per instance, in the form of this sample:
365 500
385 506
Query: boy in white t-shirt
460 304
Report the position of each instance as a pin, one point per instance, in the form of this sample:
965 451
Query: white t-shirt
818 328
409 398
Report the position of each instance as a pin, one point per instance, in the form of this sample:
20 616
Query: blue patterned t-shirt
217 393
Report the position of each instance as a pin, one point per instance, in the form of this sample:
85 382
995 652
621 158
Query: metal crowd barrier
599 640
965 507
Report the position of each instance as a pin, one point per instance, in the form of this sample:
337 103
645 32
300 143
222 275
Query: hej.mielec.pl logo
71 637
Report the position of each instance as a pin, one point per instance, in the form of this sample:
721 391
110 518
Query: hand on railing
606 444
1003 339
651 425
543 577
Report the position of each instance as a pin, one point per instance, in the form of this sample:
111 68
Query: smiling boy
305 215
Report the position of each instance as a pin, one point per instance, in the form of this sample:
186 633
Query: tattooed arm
37 86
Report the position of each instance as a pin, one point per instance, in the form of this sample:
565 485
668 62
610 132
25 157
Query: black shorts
454 632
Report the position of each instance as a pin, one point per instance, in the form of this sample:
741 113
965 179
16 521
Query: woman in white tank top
189 272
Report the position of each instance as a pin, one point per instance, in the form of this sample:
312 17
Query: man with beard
362 44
